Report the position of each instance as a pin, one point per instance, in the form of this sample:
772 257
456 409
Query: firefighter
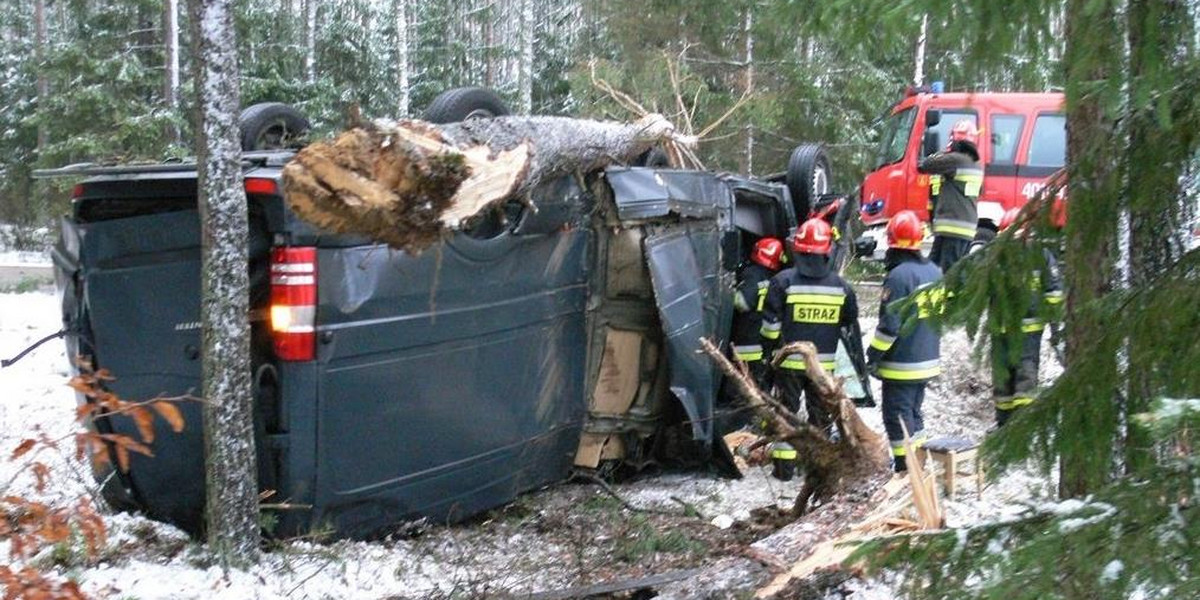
808 302
904 351
956 177
748 299
1015 374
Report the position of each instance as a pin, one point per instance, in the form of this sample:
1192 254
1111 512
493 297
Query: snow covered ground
558 537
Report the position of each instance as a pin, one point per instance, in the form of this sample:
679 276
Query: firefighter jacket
959 178
808 302
748 301
906 348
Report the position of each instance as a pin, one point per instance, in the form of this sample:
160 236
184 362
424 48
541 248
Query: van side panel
451 380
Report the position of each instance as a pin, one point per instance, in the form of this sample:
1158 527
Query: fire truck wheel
465 104
808 177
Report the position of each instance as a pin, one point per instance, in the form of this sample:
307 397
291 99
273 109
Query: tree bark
525 75
1156 32
748 84
1089 427
919 60
310 41
171 66
402 67
230 467
39 52
411 183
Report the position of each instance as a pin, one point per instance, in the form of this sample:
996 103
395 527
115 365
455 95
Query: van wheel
271 126
465 104
808 177
655 157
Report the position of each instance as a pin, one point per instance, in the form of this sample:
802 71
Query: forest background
100 81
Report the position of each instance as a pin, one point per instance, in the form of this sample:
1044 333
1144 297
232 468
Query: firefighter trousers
947 250
792 385
902 403
1015 378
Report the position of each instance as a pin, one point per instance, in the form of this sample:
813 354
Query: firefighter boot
783 461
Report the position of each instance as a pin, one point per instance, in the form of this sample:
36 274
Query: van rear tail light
294 302
261 185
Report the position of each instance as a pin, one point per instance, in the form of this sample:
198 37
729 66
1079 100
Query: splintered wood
410 183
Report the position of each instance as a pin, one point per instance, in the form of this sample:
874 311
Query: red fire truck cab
1022 142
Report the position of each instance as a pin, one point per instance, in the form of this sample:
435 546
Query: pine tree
231 482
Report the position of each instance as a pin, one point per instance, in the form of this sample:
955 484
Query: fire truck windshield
894 138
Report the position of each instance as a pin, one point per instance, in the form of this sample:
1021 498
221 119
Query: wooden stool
953 453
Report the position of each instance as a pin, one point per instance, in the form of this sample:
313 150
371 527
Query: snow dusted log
409 183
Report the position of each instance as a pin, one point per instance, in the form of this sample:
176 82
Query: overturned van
437 385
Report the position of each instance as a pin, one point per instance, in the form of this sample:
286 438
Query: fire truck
1022 143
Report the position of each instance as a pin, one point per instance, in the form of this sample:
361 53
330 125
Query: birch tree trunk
525 76
310 41
402 68
919 61
230 469
171 76
748 84
39 52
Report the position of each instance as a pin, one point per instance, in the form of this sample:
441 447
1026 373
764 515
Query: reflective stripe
748 353
972 180
1032 325
831 290
935 184
917 440
770 330
1012 402
1054 297
762 296
899 371
882 341
825 299
795 362
954 227
783 454
739 302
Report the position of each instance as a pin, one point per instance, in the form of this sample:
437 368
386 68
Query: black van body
444 384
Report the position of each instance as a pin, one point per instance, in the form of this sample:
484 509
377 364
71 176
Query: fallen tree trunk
409 183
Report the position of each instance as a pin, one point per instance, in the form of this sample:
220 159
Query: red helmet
768 252
964 131
813 236
905 231
1010 217
1058 212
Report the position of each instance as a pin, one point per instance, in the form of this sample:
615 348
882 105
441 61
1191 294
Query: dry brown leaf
144 420
22 448
41 473
170 413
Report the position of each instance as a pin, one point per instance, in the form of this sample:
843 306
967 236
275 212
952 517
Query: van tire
271 126
655 157
465 104
808 177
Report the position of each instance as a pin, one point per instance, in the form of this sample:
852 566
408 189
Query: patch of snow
1112 571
